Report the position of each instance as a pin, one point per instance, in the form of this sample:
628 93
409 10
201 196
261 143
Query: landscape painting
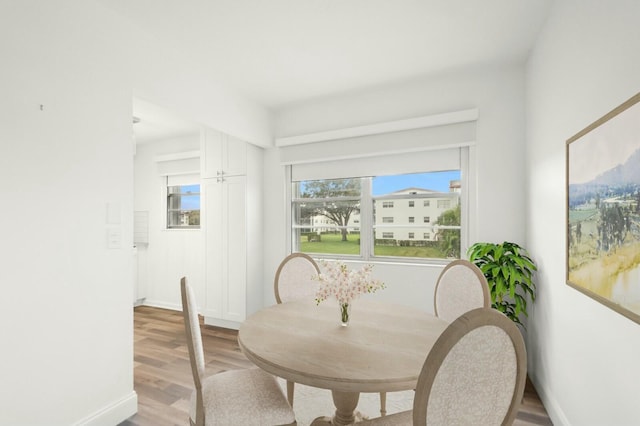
603 210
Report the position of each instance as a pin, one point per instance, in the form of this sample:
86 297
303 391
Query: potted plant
509 272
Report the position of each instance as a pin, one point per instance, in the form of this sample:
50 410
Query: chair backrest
461 287
194 344
295 278
475 373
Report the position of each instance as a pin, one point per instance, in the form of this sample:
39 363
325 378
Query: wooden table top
381 350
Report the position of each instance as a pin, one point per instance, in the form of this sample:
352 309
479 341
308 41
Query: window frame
467 194
166 204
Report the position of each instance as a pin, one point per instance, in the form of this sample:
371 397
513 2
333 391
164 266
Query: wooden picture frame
603 210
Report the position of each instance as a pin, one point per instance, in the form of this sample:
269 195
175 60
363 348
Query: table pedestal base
346 414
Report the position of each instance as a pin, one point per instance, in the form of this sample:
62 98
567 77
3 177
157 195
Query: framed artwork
603 210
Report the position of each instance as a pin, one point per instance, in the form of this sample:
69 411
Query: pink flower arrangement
338 281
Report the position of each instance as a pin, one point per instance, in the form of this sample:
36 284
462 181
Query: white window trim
178 179
463 116
366 216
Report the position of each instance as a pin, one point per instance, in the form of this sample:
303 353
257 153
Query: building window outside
183 206
387 204
444 204
427 219
387 219
411 219
387 235
411 235
411 203
426 203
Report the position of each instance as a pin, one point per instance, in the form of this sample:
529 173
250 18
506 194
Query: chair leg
383 403
290 392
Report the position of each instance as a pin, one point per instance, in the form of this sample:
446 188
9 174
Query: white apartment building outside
407 214
412 213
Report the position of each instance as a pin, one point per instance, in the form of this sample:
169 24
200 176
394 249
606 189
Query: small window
427 219
412 203
426 203
387 204
387 235
183 206
411 235
412 219
387 219
444 204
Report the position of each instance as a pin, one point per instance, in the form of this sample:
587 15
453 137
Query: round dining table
382 349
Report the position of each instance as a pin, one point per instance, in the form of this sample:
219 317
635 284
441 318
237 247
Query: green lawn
333 244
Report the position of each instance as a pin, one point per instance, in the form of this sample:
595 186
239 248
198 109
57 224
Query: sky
605 147
190 203
436 181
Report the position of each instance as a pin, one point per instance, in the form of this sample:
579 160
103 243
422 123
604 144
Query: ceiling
279 52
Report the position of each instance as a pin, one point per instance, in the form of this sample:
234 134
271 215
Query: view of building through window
376 216
183 206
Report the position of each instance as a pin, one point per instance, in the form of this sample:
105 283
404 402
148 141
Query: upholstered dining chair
295 278
474 375
234 397
460 288
294 281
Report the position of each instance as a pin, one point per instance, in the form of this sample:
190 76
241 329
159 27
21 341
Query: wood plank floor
162 375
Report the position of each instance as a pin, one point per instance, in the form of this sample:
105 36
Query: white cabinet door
235 289
214 247
226 248
234 152
224 155
211 156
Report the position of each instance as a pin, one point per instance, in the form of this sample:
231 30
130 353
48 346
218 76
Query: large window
352 216
183 206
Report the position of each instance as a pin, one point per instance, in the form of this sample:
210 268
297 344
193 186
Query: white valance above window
183 179
382 149
381 165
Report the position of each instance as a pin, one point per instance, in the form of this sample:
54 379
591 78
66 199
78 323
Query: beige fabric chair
235 397
474 375
295 281
295 278
461 287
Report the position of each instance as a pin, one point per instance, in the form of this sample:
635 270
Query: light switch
114 238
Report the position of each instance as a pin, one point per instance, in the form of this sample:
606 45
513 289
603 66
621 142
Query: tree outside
450 238
324 194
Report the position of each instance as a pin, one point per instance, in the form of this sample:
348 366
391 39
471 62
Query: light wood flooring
162 375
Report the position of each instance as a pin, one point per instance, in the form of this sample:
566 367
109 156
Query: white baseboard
163 305
114 413
555 412
217 322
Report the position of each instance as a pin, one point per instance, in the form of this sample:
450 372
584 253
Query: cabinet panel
226 248
235 289
211 158
222 155
212 193
234 153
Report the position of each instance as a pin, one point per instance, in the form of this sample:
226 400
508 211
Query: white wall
583 356
497 92
170 254
67 337
66 305
175 81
